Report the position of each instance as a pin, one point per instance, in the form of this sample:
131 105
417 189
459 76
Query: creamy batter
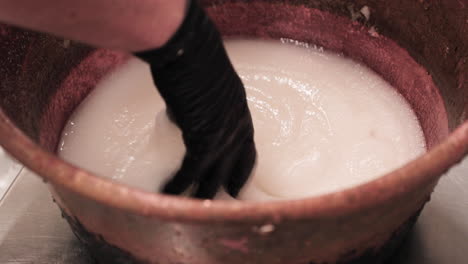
322 123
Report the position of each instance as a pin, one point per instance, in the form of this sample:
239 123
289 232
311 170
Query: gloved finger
242 169
194 166
209 185
183 179
214 178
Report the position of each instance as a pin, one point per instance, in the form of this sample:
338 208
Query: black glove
206 99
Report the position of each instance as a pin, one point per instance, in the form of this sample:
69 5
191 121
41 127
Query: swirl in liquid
322 123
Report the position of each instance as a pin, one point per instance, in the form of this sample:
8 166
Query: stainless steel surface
9 169
32 230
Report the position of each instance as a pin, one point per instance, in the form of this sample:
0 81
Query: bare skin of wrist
118 24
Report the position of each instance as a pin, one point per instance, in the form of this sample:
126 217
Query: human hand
206 99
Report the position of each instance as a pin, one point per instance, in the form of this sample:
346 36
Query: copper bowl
420 47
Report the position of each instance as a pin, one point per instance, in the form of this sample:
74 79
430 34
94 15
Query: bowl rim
422 171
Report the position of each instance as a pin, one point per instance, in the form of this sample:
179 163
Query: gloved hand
206 99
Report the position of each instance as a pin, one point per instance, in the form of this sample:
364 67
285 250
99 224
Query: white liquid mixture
323 123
